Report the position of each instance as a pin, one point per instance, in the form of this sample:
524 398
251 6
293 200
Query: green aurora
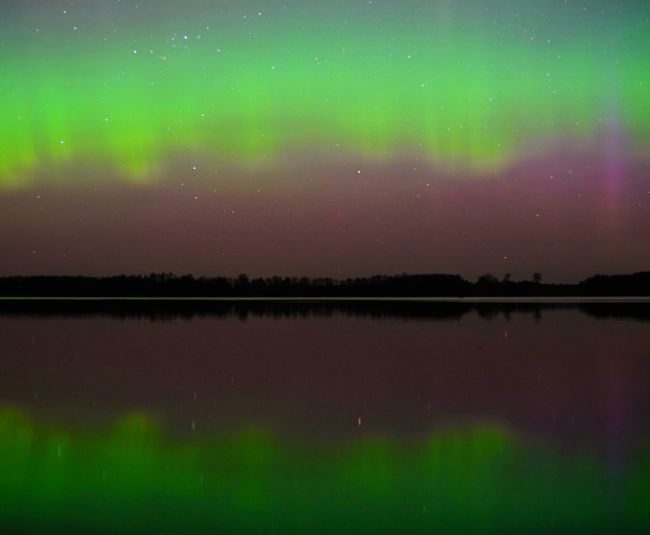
474 479
256 85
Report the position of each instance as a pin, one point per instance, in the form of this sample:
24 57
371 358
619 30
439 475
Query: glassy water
324 418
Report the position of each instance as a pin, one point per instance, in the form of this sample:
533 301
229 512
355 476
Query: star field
366 126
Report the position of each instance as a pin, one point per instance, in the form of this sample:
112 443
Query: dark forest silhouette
433 285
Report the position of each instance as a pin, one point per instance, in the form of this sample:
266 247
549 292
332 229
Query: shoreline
298 299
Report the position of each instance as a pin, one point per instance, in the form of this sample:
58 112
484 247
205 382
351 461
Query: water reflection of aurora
479 478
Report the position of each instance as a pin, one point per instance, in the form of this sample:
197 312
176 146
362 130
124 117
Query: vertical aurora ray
477 85
136 478
614 160
321 419
324 139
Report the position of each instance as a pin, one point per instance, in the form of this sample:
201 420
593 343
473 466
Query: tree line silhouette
404 285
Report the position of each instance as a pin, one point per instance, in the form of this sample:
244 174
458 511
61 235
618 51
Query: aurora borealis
135 478
258 421
225 163
453 136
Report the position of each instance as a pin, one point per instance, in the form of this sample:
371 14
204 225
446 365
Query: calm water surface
324 418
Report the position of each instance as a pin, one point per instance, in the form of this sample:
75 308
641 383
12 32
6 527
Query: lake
324 417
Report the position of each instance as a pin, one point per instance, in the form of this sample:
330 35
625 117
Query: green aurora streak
478 479
219 87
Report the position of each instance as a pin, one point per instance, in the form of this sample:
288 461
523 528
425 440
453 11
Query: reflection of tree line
434 285
167 310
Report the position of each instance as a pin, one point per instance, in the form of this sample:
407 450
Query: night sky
323 138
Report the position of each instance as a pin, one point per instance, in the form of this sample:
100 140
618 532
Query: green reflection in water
136 478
